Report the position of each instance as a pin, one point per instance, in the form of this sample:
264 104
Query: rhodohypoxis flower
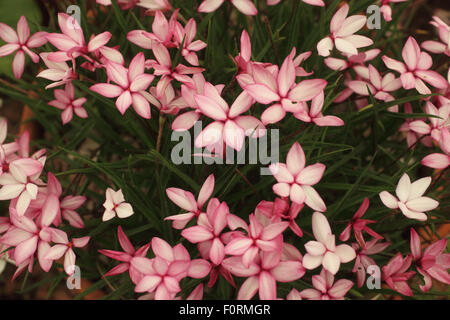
295 180
436 124
363 261
21 42
395 274
440 160
326 289
412 136
280 87
229 125
314 114
386 8
263 274
245 6
324 251
115 205
64 247
415 70
125 257
59 72
65 100
379 87
342 35
432 263
444 36
207 233
130 88
186 201
151 5
265 237
319 3
359 225
186 36
21 182
410 199
169 102
71 42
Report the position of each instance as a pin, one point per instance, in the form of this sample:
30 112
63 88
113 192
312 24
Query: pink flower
342 30
324 251
64 247
432 263
436 124
314 114
260 237
169 102
363 261
125 257
379 87
440 160
151 5
280 87
415 70
21 42
324 289
263 274
130 88
21 182
186 201
410 198
65 100
245 6
295 180
115 205
229 125
280 210
386 8
359 225
355 62
411 135
71 42
207 233
59 72
68 206
319 3
444 35
187 34
396 276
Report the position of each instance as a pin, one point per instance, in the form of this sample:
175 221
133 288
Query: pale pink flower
432 263
65 100
21 182
68 206
444 35
411 136
163 32
186 201
261 236
436 124
229 125
314 114
151 5
279 87
386 9
170 102
64 247
359 225
21 42
415 70
58 72
125 257
186 36
342 35
263 274
379 87
353 61
115 205
245 6
363 261
324 251
207 233
130 88
410 199
395 274
326 289
440 160
71 41
295 181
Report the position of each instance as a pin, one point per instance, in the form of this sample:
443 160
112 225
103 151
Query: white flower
115 205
